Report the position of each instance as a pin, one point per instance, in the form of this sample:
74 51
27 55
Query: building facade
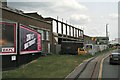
33 26
32 22
62 31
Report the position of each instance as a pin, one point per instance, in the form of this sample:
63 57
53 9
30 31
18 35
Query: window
54 26
77 33
47 35
74 32
64 29
81 34
42 33
68 30
59 27
71 31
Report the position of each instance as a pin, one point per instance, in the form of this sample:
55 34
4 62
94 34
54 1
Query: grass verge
52 66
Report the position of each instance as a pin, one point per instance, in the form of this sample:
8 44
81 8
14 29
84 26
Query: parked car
114 57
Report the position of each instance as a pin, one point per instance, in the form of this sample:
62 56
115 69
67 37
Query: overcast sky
90 15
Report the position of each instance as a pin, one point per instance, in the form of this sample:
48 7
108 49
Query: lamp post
106 30
107 33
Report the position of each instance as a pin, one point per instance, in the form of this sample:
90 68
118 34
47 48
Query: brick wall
28 20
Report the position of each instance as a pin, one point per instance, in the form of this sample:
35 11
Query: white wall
102 47
96 48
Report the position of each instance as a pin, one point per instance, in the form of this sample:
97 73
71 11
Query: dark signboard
30 40
7 38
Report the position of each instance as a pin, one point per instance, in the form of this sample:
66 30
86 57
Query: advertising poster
7 38
30 40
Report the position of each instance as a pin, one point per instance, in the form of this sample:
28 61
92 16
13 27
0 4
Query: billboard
30 40
7 38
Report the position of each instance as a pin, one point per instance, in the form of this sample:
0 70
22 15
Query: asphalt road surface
110 71
93 69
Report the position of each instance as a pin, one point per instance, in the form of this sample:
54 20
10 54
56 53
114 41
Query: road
88 69
110 71
91 69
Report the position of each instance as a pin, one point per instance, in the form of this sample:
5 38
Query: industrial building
51 35
17 18
62 31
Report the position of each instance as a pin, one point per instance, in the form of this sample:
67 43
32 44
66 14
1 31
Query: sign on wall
7 38
30 40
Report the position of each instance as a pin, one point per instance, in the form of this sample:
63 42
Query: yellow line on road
101 68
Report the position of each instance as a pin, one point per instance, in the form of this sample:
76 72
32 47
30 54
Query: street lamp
107 34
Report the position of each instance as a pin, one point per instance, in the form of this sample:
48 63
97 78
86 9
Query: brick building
52 35
13 15
35 23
